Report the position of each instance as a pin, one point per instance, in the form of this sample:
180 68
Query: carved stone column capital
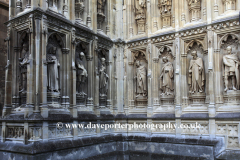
65 50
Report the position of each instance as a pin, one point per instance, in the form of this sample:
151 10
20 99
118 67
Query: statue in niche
53 70
140 17
196 74
141 79
81 73
103 78
100 6
23 66
231 70
167 74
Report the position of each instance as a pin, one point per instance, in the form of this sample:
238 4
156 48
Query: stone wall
123 61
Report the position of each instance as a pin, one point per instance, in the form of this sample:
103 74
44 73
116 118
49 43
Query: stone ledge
60 144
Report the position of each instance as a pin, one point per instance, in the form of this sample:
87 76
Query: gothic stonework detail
140 15
194 10
165 7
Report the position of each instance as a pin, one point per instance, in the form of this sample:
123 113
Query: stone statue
81 73
103 78
167 74
141 79
196 74
139 9
23 66
53 69
100 6
231 70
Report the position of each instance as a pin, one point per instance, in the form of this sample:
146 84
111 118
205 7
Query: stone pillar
184 79
73 79
96 75
31 70
209 11
215 8
149 19
43 70
120 77
65 78
177 78
3 137
155 76
149 77
60 9
176 13
178 108
130 79
8 73
16 73
90 70
37 18
109 72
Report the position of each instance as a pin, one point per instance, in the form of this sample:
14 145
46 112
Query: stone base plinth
232 97
197 99
103 101
53 99
141 102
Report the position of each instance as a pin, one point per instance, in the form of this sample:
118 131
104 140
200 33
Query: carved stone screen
120 79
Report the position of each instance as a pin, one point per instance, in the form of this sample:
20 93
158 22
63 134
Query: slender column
215 8
177 78
3 137
155 73
184 79
26 131
110 17
8 73
130 79
65 78
120 76
178 108
15 75
31 86
238 5
149 77
73 80
109 72
96 75
125 82
43 70
37 18
209 11
149 19
90 69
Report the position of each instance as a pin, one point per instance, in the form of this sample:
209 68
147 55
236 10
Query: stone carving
196 74
165 7
231 70
141 80
167 74
23 66
100 12
194 10
53 5
79 8
15 132
53 70
140 15
103 78
229 5
81 73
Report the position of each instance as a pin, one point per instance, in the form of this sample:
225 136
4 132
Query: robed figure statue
81 73
141 80
103 78
196 74
231 70
166 77
53 70
23 66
